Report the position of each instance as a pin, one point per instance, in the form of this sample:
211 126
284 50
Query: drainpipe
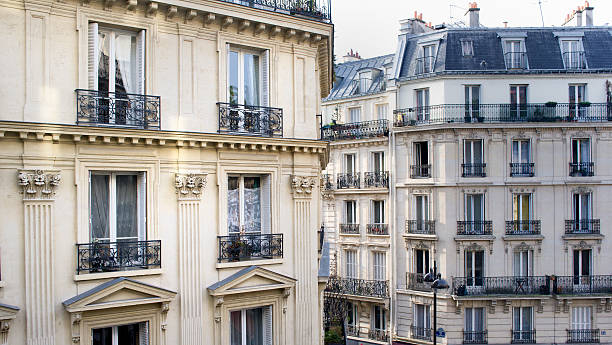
393 201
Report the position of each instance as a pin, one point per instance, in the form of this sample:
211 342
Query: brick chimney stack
588 14
474 12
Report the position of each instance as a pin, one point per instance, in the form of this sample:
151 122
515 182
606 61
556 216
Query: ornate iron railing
118 256
250 120
355 130
415 281
512 285
523 227
313 9
582 169
327 182
496 113
574 60
476 227
378 335
473 170
582 335
420 333
241 247
349 229
352 330
522 169
358 287
345 181
377 229
582 285
421 227
582 226
523 337
515 60
420 171
424 65
117 109
475 337
376 179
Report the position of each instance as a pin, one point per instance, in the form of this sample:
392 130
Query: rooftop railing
250 120
358 287
118 256
313 9
512 285
355 130
118 109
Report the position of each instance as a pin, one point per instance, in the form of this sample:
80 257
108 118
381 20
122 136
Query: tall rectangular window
582 318
518 101
514 54
474 207
379 260
247 76
523 263
573 54
350 214
472 102
474 325
521 207
251 326
421 261
364 81
582 265
581 151
382 111
422 104
351 264
577 97
422 321
350 163
421 153
520 151
354 115
352 315
473 151
378 212
582 206
131 334
421 209
378 161
474 267
379 321
427 59
248 204
522 324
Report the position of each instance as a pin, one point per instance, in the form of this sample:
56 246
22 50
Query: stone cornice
189 186
38 184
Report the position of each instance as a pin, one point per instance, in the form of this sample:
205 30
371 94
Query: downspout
393 201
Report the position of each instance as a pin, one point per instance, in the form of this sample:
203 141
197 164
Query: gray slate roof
8 306
347 72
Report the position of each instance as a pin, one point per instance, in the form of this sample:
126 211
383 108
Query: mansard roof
347 73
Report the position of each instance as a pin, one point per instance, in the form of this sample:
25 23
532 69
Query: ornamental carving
189 186
38 185
302 185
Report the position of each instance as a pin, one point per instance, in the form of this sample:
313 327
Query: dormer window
514 54
365 80
467 48
573 54
427 57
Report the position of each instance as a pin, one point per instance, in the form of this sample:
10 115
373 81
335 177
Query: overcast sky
371 27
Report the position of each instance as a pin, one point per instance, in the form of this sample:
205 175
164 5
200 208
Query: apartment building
123 226
499 175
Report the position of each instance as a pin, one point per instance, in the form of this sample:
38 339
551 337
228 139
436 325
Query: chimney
412 26
579 17
474 12
505 24
588 14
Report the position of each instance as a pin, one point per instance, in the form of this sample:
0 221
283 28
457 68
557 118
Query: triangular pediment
8 311
120 292
251 279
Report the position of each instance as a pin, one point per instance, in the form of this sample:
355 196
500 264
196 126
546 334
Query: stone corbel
540 306
259 28
108 4
567 305
165 307
171 12
244 24
131 4
209 18
458 305
315 39
558 305
275 31
303 185
152 9
190 14
218 303
289 34
507 304
227 21
75 322
601 305
5 325
189 186
492 306
38 184
305 36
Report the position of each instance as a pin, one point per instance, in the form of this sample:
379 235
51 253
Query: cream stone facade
169 196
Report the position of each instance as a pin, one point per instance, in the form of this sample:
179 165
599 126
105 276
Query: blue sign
440 333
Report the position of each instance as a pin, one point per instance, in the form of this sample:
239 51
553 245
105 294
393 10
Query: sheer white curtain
125 56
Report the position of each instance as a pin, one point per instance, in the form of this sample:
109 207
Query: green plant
334 336
584 104
551 104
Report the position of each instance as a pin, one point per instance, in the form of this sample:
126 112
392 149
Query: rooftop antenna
541 13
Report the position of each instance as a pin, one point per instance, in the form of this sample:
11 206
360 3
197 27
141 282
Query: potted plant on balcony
584 104
550 104
237 249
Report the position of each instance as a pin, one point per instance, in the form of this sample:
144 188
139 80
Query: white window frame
267 324
469 204
382 111
523 312
379 314
379 265
517 143
471 157
380 167
579 48
472 327
265 208
520 260
352 204
352 167
115 332
264 73
521 49
351 264
467 48
378 211
473 276
423 201
422 102
426 260
579 212
353 314
354 115
581 264
518 199
365 81
582 318
578 152
422 317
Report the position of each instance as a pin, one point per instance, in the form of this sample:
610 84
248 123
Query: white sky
371 27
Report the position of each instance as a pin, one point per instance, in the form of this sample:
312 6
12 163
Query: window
132 334
467 48
421 208
350 212
521 161
248 204
573 54
378 212
351 264
474 267
521 209
427 56
251 326
352 315
582 266
379 322
117 206
354 115
421 262
577 97
248 76
523 263
378 161
473 152
582 318
474 209
472 103
364 81
422 104
421 160
379 265
581 164
522 324
422 321
582 206
514 54
518 101
474 325
382 111
349 163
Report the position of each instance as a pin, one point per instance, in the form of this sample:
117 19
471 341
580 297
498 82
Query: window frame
578 153
351 267
244 328
115 334
264 73
380 167
379 315
385 114
471 327
351 118
472 155
520 151
354 217
263 189
379 265
378 211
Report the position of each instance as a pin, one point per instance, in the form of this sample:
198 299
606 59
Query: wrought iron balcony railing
473 170
421 227
582 285
352 330
346 181
376 179
575 336
415 281
522 169
355 130
246 247
523 227
515 60
118 256
378 335
499 113
574 60
475 337
420 171
352 229
117 109
377 229
582 226
424 65
476 227
523 337
252 120
512 285
327 182
358 287
420 333
582 169
312 9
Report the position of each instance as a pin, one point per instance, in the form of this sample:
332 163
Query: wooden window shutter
92 56
140 61
265 78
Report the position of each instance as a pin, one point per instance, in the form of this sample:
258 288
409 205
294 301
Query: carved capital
189 186
38 184
5 325
302 185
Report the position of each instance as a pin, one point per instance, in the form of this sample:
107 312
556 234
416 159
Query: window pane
102 336
524 151
103 67
126 68
233 77
128 334
99 207
127 219
251 79
233 204
252 204
254 327
236 328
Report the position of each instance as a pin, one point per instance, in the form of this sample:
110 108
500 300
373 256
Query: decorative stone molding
38 184
492 305
302 185
327 195
458 305
5 325
189 186
581 190
540 306
507 305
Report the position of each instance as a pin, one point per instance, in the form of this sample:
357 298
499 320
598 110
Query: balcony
350 229
420 333
352 331
502 113
523 337
475 337
513 285
515 60
377 229
118 256
473 170
356 130
319 10
420 171
348 181
523 227
522 169
582 336
424 65
117 109
376 179
250 247
250 120
582 227
574 60
358 287
414 281
421 227
327 182
582 169
378 335
474 228
582 285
